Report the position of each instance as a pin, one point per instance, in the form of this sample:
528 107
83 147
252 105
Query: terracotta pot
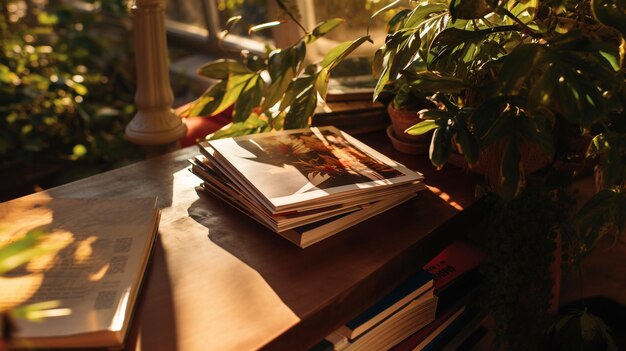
401 120
401 141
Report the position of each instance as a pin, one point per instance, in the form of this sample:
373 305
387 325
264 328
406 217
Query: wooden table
220 281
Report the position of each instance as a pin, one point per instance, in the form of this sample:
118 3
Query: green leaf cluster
506 73
280 90
580 330
66 83
507 76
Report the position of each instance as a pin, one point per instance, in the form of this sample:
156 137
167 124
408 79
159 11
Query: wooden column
155 124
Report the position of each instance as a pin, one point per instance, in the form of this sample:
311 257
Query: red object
199 127
455 260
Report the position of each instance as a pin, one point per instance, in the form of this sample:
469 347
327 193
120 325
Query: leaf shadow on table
94 240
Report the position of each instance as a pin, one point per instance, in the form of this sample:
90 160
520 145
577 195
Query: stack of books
406 309
456 280
304 184
431 310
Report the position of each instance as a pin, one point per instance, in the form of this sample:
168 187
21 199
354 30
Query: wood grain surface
220 281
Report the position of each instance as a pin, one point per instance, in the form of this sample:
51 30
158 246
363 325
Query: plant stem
530 31
282 5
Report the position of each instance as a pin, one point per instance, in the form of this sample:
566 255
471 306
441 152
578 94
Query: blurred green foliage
66 83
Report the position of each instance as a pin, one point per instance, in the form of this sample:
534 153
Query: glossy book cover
299 166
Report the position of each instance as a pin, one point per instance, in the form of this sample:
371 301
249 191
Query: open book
92 276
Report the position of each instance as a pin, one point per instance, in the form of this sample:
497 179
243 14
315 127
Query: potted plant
287 100
517 87
404 110
515 83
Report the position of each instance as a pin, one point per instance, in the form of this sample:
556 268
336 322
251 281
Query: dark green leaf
404 54
397 39
252 125
301 109
396 19
382 82
220 69
299 54
510 172
613 166
580 330
610 13
450 106
596 215
279 62
295 88
423 11
434 82
277 89
322 29
486 115
568 101
321 82
468 9
468 144
339 52
452 37
250 98
502 127
541 91
609 52
209 101
598 145
440 146
422 127
517 67
377 62
235 86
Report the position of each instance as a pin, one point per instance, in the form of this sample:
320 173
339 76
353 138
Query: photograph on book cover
309 163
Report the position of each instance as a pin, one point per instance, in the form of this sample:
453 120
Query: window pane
356 13
189 12
252 12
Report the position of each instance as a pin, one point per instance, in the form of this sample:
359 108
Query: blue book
452 330
419 284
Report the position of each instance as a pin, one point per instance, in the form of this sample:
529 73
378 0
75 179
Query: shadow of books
329 282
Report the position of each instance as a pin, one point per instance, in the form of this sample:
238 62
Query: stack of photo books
431 310
304 184
456 282
406 309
